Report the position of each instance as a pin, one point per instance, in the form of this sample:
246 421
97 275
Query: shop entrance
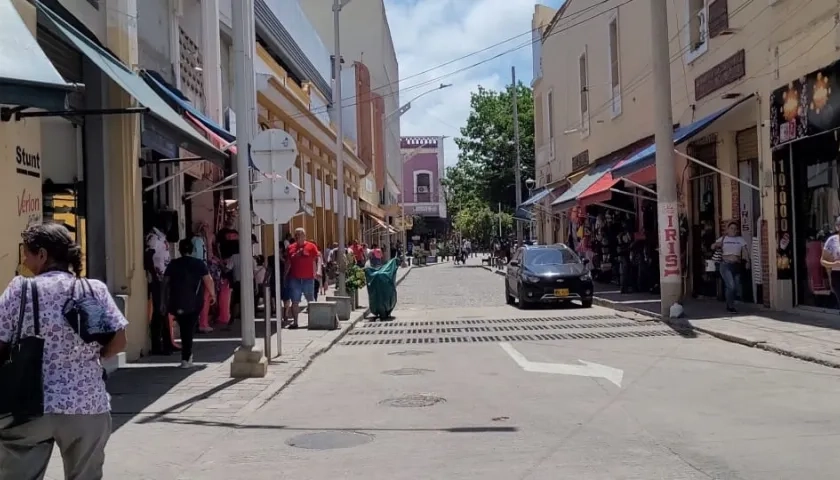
815 175
704 186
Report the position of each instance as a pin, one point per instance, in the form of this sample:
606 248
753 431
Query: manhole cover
407 371
411 353
413 401
329 440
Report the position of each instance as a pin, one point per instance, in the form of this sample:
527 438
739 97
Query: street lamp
407 105
341 287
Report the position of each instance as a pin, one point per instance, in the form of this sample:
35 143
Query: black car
547 273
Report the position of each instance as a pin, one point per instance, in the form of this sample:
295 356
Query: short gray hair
300 230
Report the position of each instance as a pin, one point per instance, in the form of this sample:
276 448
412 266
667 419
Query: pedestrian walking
185 283
734 253
76 405
302 258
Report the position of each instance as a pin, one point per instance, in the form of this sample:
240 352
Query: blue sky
429 33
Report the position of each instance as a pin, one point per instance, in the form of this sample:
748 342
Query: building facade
423 170
752 106
366 40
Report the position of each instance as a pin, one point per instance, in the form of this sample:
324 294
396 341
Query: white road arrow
587 369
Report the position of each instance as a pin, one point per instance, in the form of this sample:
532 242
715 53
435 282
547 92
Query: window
550 256
584 95
615 76
698 29
549 100
423 186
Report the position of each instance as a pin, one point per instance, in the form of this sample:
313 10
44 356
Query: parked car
547 274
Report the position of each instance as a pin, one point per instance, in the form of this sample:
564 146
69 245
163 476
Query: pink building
422 172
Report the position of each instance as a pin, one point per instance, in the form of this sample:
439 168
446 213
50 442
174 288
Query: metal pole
277 286
500 221
267 315
670 262
246 115
340 288
518 172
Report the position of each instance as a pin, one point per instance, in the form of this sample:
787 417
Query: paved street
460 385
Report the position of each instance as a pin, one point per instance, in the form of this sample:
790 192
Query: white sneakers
187 363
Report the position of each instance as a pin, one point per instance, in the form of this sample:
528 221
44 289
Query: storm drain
413 401
510 338
496 321
501 328
401 372
329 440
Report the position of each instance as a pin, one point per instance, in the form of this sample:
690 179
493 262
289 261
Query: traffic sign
276 199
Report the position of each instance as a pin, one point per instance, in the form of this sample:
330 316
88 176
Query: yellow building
286 105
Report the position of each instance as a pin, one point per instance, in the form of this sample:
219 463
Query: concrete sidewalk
812 337
154 401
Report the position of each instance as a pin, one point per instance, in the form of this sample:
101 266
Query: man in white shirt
156 259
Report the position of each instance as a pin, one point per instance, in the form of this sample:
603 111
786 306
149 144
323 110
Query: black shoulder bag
21 374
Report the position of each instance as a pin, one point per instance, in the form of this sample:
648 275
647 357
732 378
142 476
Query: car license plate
561 292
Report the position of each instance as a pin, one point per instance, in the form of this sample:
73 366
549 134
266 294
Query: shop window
697 31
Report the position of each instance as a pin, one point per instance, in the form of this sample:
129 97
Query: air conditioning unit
422 189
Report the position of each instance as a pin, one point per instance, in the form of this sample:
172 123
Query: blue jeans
731 275
301 287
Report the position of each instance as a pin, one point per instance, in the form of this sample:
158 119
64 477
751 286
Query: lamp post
341 287
407 105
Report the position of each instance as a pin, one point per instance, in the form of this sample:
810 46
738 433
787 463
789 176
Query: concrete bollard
322 316
344 307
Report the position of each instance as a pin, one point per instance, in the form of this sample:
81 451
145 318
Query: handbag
21 368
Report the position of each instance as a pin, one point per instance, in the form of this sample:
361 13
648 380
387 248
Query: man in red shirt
301 269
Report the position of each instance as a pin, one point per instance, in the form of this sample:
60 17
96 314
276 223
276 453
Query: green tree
485 168
479 223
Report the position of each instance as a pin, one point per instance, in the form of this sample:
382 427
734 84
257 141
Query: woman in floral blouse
76 404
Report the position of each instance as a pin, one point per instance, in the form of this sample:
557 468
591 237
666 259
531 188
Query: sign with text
784 250
669 242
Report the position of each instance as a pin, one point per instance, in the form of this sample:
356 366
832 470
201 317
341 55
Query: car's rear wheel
586 302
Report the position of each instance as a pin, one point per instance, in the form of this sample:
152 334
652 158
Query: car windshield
550 256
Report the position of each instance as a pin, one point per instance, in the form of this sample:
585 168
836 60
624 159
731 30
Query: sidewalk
153 400
813 337
810 336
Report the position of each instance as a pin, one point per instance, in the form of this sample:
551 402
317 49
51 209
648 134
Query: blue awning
180 101
647 156
175 127
569 197
27 77
536 196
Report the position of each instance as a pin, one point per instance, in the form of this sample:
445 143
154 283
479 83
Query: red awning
645 176
598 192
216 140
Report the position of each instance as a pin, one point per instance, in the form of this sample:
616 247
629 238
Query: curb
761 345
277 388
493 270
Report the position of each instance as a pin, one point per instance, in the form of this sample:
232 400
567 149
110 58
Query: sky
430 33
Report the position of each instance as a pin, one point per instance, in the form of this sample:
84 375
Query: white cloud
428 33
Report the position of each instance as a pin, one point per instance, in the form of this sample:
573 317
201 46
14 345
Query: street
459 385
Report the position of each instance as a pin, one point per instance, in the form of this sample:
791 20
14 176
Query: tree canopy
484 176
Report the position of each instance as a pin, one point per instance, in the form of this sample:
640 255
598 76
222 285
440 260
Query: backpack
86 315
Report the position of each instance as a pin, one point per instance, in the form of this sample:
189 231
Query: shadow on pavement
138 386
204 423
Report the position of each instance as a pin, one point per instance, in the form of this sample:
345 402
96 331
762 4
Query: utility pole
666 179
518 167
341 288
247 360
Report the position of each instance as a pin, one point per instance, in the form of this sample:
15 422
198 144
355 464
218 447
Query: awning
27 77
598 192
569 198
523 214
160 113
218 141
536 196
647 156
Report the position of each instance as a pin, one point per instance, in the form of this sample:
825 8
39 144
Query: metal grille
513 338
431 323
503 328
